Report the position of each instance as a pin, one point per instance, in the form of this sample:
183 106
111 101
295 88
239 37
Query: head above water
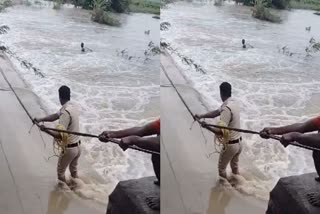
64 94
243 43
82 45
225 91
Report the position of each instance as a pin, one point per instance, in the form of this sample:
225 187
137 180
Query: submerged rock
289 196
130 196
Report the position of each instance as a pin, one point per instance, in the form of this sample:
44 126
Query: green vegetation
57 5
278 4
27 3
124 6
262 12
120 6
100 15
305 4
145 6
4 4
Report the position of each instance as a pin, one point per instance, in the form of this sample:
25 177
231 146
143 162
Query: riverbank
305 5
190 184
140 6
28 178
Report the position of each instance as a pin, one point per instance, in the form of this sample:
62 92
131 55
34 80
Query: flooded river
112 91
273 87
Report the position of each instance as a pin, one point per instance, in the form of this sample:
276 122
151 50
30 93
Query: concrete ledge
130 196
289 195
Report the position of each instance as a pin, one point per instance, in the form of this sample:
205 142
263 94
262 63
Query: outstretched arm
149 143
309 126
49 118
312 140
211 114
53 134
145 130
50 132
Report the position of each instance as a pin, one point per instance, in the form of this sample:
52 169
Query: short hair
225 89
243 41
64 92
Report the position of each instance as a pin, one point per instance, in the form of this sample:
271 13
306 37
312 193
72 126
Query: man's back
230 115
69 117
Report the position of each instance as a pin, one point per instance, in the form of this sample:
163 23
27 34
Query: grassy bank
145 6
305 4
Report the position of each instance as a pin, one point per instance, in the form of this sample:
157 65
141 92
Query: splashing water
112 92
272 88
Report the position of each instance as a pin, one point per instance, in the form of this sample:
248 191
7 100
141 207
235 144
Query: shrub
281 4
120 6
57 5
260 11
4 4
99 14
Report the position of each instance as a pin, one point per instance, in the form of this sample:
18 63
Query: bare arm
213 129
304 139
309 139
49 118
297 127
146 130
149 143
53 134
211 114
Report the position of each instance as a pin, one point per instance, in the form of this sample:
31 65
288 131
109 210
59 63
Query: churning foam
272 88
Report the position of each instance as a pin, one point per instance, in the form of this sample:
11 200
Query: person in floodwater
244 45
229 113
297 132
68 117
141 137
84 49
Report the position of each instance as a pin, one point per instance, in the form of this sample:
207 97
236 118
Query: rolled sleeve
225 115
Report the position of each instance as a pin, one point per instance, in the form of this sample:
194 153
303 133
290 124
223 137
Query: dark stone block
130 196
289 195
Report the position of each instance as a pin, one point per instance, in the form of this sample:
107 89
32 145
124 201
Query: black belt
235 141
74 144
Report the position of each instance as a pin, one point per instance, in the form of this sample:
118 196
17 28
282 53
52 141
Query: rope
258 133
112 140
225 137
180 96
60 145
64 131
25 109
191 113
207 125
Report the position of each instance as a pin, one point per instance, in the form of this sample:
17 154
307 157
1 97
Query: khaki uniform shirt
69 118
230 115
